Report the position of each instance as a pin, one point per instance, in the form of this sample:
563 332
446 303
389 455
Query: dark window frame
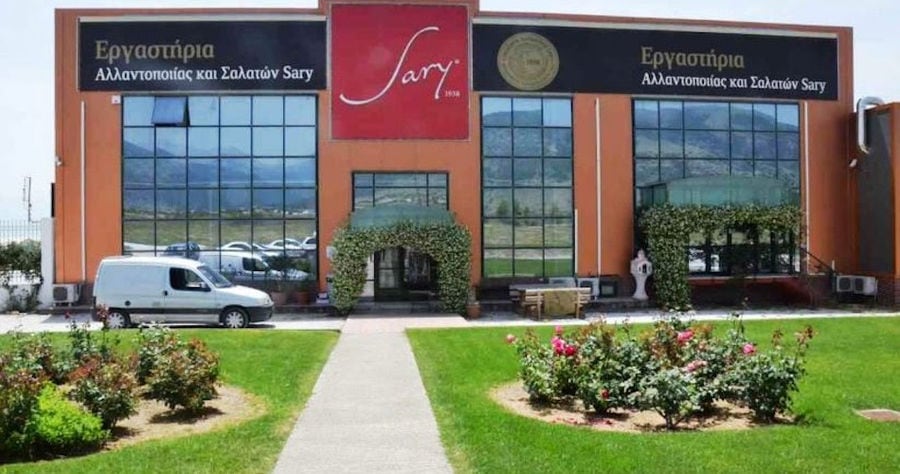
514 216
258 224
728 251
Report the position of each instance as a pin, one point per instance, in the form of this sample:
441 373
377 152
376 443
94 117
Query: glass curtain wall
527 195
209 174
676 139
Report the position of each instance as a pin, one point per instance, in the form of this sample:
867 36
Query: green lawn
852 364
279 367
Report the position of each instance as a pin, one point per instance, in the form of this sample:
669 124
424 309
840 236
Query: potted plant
473 307
276 286
302 291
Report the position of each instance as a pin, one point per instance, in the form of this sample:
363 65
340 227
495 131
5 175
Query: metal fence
20 231
17 231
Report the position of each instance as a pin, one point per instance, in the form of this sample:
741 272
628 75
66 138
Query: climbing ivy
449 244
667 229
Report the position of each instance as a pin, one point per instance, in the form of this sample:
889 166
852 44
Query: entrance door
404 274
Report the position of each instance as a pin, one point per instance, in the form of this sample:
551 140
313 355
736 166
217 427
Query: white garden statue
641 269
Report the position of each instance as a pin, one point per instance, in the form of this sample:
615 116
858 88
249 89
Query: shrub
36 354
674 368
107 387
548 371
593 374
154 343
185 377
84 347
764 381
19 390
627 366
61 427
668 228
669 392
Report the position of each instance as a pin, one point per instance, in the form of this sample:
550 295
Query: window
392 189
527 199
185 280
682 139
209 170
170 111
674 140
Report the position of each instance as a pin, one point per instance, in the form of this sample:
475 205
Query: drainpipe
861 106
599 191
83 179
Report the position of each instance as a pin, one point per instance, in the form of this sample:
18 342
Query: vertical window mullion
155 196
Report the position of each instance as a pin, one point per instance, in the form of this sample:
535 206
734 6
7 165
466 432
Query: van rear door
137 289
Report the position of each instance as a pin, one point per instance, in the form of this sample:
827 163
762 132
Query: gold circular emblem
528 61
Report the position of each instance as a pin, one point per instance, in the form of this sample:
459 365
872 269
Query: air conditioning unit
567 281
865 285
66 293
593 284
844 284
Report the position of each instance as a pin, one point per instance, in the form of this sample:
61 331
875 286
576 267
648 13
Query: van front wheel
235 318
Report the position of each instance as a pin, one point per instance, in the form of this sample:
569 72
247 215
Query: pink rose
510 339
694 365
559 330
685 336
749 349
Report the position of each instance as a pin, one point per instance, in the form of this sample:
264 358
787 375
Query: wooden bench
531 302
584 297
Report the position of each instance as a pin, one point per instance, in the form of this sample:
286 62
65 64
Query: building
542 133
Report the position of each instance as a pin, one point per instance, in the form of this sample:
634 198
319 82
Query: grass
852 364
279 367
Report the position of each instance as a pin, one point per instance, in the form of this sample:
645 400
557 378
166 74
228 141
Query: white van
241 265
174 290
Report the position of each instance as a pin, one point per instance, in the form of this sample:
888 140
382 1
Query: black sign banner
601 60
202 55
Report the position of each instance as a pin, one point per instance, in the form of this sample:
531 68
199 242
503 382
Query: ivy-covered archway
667 229
448 243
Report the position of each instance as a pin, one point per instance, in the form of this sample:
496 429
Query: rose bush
674 368
56 400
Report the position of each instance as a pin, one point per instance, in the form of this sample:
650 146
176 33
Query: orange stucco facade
604 234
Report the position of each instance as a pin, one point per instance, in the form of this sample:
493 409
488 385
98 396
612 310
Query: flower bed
61 401
675 369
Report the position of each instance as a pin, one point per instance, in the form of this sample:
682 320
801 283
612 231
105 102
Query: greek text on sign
201 55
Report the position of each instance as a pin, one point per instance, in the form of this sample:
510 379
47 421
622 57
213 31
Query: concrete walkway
369 411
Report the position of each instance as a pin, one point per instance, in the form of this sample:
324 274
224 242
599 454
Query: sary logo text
412 74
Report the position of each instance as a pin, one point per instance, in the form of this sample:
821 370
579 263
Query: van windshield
214 277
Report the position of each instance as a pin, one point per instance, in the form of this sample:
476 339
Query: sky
27 61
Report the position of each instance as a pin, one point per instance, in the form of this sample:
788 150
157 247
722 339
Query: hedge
449 244
668 228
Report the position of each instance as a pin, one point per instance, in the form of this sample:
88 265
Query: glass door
404 274
389 274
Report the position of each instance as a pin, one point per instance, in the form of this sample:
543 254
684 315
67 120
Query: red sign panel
399 71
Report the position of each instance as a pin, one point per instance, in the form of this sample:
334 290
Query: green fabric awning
385 216
720 190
